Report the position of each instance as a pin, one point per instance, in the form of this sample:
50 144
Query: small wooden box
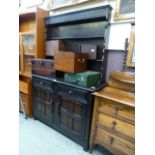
43 67
70 62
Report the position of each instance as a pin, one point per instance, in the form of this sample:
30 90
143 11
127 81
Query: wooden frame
125 9
130 61
30 3
65 3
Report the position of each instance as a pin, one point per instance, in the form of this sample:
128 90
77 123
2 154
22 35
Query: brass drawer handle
41 83
111 140
117 108
114 124
82 61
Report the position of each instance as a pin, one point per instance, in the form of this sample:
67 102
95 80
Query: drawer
67 90
43 95
113 143
121 111
41 83
120 127
23 87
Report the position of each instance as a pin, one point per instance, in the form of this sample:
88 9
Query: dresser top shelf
126 77
117 95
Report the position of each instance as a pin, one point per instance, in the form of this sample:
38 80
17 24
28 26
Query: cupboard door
48 108
70 117
37 108
43 105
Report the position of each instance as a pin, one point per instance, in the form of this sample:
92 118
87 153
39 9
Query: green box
85 79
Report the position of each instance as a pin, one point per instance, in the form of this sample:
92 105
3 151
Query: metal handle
111 140
114 124
52 106
41 83
58 108
70 92
117 108
81 61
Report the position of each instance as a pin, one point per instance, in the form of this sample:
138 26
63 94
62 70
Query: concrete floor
36 138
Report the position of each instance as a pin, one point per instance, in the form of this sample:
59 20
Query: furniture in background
31 45
25 88
21 105
113 122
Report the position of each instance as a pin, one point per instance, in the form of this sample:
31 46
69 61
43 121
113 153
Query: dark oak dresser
64 107
113 123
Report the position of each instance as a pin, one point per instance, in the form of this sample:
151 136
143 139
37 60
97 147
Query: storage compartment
43 100
116 125
70 62
117 110
79 94
44 84
23 87
119 146
85 79
43 67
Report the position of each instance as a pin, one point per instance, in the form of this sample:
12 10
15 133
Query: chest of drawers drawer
41 83
118 145
118 110
117 126
71 91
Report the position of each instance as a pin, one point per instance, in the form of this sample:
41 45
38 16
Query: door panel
70 116
43 105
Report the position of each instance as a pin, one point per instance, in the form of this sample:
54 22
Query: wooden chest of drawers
113 123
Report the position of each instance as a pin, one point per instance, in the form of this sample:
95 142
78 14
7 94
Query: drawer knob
70 92
117 108
41 83
111 140
114 124
82 61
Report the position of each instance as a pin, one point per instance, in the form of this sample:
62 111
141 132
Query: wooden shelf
27 32
29 75
32 44
27 53
117 95
126 77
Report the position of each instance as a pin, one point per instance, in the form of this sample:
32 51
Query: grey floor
35 138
